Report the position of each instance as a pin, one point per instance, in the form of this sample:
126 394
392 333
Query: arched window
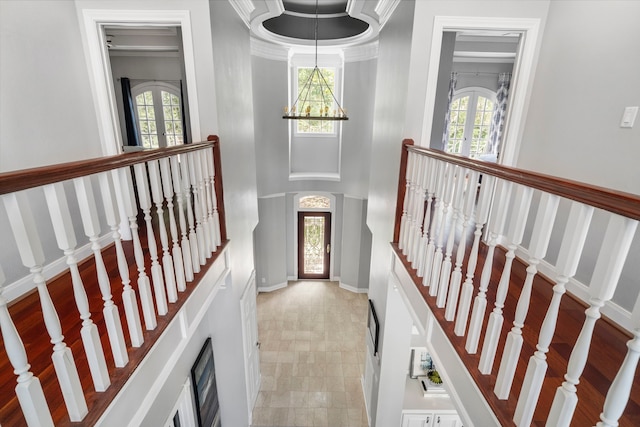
314 202
159 114
470 121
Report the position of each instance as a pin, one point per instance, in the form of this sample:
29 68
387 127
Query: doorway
314 245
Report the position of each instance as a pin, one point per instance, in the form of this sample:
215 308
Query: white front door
250 343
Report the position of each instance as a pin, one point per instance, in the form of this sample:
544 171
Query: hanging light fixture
329 108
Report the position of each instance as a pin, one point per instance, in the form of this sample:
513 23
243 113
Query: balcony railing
171 202
446 204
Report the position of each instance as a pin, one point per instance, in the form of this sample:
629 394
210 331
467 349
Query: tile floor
312 336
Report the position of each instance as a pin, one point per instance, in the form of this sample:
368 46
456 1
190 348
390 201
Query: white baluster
28 390
417 201
144 287
129 299
144 201
193 238
482 213
402 241
496 225
185 245
167 260
436 266
435 223
429 191
620 389
202 154
216 215
91 224
571 247
66 238
466 214
178 263
613 253
421 191
445 270
514 234
540 237
28 242
201 209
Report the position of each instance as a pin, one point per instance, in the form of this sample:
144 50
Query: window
470 122
159 114
314 202
318 99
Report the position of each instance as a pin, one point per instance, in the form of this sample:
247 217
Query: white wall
271 242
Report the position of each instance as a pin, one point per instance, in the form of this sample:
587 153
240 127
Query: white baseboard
272 287
24 285
578 289
354 289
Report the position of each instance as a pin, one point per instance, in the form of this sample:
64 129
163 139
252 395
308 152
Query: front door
314 245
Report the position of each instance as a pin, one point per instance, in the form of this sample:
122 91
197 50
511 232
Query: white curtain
499 112
452 88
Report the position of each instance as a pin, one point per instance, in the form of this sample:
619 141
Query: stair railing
181 181
440 195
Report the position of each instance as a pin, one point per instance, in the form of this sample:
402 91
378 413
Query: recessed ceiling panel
299 27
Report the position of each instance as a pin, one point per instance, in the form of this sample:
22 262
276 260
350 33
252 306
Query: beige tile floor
312 336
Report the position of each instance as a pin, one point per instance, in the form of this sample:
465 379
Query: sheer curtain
499 112
452 88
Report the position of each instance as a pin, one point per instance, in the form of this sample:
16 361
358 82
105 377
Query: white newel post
66 239
91 224
613 253
402 241
184 231
496 225
456 219
128 294
144 287
197 210
467 214
167 260
540 237
28 242
424 240
28 390
438 189
518 221
193 238
482 214
214 199
571 247
447 196
176 252
144 200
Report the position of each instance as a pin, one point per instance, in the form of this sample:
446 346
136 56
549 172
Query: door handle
329 248
258 344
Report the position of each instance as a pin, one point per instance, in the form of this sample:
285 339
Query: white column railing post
541 234
214 199
167 260
456 219
129 299
613 253
482 214
28 390
515 231
193 238
25 232
91 225
208 246
203 155
176 252
144 200
144 287
197 210
466 216
438 188
184 230
66 239
424 240
402 241
571 247
447 196
417 203
498 218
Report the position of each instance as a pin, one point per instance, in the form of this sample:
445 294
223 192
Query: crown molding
243 8
265 49
385 9
363 52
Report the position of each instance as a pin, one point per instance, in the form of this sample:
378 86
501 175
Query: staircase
538 354
105 312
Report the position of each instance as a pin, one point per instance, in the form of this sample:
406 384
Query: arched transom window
314 202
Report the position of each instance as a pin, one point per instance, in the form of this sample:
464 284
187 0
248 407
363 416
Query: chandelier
327 108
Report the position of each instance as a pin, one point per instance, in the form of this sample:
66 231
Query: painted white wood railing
442 196
186 173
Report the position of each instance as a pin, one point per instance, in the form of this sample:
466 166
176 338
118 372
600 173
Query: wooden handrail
618 202
29 178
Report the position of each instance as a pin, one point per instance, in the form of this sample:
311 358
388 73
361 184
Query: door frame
327 238
521 83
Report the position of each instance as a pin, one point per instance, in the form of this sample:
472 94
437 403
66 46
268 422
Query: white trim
521 83
316 176
243 8
272 196
363 52
385 9
99 67
354 289
265 49
21 286
272 287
